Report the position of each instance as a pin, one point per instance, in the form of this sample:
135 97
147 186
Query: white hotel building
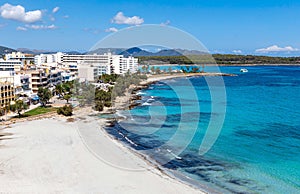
26 59
105 64
92 65
49 59
9 67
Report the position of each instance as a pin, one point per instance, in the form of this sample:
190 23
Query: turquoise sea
258 147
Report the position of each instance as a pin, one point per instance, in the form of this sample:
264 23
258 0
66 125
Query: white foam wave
131 142
140 93
146 104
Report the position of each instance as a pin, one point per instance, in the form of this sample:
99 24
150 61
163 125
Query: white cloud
237 51
276 48
113 29
20 28
166 23
41 27
66 16
120 18
18 13
55 9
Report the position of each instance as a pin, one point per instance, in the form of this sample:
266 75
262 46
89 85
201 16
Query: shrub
66 110
99 106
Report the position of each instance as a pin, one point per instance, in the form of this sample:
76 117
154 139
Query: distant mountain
4 50
190 52
136 52
35 51
101 51
170 52
73 53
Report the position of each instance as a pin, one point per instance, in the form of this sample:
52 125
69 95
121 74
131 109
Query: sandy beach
52 155
159 77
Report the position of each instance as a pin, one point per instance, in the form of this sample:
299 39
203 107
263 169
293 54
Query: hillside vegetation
226 59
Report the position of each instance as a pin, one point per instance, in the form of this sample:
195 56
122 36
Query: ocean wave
119 114
146 104
140 93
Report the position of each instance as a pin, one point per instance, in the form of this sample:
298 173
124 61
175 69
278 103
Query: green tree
85 94
59 89
44 95
106 78
67 97
19 106
67 87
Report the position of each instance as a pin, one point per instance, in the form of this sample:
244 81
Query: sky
260 27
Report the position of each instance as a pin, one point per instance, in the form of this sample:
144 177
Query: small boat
244 70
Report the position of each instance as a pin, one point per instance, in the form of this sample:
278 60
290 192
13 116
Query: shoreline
180 178
132 96
224 65
177 176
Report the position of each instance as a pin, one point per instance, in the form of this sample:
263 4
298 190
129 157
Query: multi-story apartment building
22 84
55 77
68 76
102 64
44 78
7 94
12 68
95 64
52 59
70 68
87 72
122 65
39 78
25 59
9 67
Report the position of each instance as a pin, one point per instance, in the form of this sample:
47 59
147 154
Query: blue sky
264 27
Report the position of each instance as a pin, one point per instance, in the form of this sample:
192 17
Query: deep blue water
258 147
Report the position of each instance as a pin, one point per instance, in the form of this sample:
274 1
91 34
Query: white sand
53 156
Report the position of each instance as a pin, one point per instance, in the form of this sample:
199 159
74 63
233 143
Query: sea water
258 147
